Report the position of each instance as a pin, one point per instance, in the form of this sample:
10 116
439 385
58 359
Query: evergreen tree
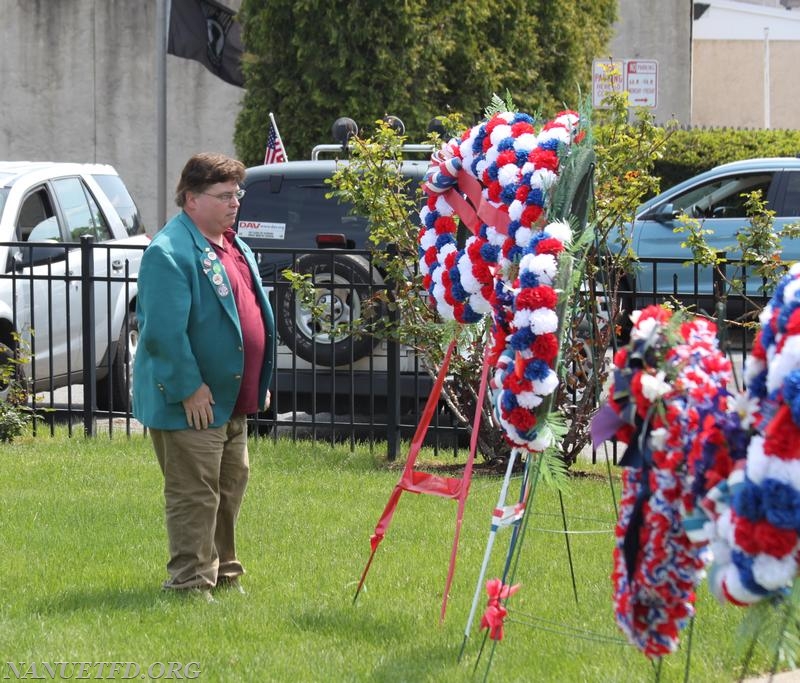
312 61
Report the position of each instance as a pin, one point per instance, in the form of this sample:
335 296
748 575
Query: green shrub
15 413
688 152
14 418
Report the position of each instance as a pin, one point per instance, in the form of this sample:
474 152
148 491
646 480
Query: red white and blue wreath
668 382
757 546
497 179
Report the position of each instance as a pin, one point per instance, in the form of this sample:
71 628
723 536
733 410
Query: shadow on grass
388 634
420 663
107 598
360 624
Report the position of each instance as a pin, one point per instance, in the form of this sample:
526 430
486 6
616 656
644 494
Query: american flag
274 153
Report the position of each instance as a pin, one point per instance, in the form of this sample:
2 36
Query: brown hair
206 169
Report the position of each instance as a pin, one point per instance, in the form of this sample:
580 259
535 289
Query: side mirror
26 257
435 125
395 124
664 213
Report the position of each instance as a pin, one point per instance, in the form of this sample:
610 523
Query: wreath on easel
499 179
515 189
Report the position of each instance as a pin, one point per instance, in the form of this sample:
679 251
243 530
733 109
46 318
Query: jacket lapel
212 269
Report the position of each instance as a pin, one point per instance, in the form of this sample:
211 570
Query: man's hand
199 413
268 400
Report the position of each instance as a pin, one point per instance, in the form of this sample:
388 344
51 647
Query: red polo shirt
254 332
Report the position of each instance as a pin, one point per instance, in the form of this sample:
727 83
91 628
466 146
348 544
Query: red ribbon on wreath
495 613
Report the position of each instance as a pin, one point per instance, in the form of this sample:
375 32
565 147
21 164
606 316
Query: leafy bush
689 152
14 419
311 62
15 414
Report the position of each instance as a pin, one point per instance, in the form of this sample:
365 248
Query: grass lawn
83 550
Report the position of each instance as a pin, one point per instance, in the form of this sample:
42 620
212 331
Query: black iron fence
67 314
68 317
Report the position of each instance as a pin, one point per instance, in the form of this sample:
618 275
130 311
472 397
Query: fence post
719 283
392 371
87 332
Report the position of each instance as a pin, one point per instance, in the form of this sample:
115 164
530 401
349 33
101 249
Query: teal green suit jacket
189 330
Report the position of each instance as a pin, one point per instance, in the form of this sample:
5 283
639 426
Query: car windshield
123 202
3 195
295 215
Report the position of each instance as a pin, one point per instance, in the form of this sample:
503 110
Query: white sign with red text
641 82
639 77
259 230
606 79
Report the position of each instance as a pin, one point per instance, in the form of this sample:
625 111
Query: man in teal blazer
204 362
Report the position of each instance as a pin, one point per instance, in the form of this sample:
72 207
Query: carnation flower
746 407
654 386
544 321
774 572
646 329
561 230
658 439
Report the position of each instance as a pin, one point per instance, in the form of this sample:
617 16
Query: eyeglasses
226 197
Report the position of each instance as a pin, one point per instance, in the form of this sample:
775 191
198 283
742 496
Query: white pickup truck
46 208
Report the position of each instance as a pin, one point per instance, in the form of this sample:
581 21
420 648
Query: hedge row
689 152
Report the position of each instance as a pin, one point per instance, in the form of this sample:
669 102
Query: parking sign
607 77
641 82
639 77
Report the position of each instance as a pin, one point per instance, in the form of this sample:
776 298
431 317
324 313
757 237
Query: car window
37 221
81 212
122 201
295 214
722 197
791 200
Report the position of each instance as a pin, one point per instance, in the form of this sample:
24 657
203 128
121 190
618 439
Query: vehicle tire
344 288
115 390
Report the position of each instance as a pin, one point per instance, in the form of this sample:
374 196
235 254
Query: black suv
289 223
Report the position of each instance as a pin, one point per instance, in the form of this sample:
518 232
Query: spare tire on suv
344 292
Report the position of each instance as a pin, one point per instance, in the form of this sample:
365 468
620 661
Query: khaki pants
205 477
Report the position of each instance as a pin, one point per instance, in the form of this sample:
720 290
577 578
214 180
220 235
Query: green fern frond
498 105
552 468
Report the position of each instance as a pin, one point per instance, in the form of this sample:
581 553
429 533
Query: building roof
731 20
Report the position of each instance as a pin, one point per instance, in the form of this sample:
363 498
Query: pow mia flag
206 31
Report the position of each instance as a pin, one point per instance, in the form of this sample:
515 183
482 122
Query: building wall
78 83
728 84
785 84
660 30
741 51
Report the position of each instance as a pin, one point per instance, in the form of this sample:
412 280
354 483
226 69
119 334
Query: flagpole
278 134
162 22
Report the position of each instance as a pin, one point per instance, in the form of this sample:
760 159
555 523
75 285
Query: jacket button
237 377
